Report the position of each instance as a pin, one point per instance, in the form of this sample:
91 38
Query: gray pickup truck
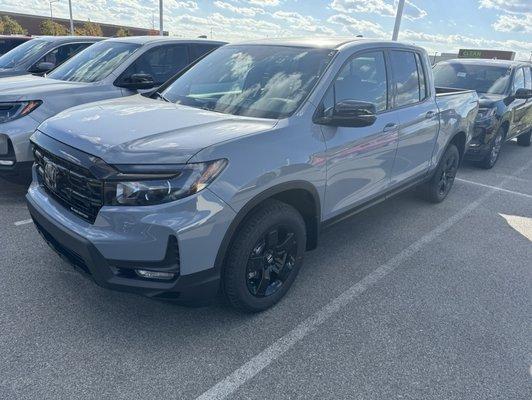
222 180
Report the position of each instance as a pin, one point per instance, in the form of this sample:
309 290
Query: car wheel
524 139
439 186
264 257
491 158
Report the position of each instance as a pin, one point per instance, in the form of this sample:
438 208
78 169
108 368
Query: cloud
246 11
263 3
514 23
355 26
304 23
510 6
380 7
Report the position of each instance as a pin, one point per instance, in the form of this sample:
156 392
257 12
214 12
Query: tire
257 274
491 158
524 139
441 182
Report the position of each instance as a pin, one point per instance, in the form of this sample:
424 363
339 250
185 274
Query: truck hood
6 72
139 130
488 100
30 87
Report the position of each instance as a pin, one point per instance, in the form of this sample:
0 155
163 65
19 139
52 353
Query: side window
63 53
362 78
528 78
198 50
161 62
519 79
423 92
405 78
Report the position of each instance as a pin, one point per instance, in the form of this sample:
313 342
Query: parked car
40 55
225 177
9 42
505 91
109 69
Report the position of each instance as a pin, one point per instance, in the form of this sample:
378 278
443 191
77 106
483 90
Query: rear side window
362 78
423 92
405 78
198 50
161 62
63 53
528 78
519 79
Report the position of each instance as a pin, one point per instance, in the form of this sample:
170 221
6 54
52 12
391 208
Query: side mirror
349 113
42 67
137 82
523 94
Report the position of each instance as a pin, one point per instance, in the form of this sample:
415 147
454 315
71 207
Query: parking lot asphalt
407 300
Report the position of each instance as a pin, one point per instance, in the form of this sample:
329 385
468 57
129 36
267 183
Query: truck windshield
256 81
482 78
21 53
94 63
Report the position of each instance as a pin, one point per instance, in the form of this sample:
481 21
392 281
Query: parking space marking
23 222
495 187
254 366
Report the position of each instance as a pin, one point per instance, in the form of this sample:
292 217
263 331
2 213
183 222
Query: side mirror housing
137 82
523 94
349 113
42 67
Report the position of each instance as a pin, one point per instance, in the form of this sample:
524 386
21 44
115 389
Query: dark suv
9 42
505 92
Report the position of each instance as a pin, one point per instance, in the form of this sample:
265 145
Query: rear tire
491 158
524 139
439 186
264 257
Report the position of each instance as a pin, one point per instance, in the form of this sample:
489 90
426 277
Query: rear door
416 114
519 106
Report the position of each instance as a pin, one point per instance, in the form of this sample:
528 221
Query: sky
437 25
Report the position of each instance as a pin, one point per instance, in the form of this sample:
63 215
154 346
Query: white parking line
23 222
495 188
250 369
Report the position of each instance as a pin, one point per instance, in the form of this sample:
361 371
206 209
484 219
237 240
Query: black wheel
439 186
264 257
524 139
495 149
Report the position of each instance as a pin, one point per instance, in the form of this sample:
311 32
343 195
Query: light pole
51 12
71 20
398 17
161 31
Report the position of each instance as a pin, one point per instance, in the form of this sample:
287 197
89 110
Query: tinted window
198 50
482 78
257 81
22 53
161 62
362 78
405 78
519 79
94 63
528 78
8 44
423 92
63 53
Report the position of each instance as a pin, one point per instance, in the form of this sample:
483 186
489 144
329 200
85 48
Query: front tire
439 186
264 257
491 158
524 139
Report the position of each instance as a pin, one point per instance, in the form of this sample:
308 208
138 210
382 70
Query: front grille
72 185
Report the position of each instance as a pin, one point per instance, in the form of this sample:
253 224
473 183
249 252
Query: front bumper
19 157
480 144
116 271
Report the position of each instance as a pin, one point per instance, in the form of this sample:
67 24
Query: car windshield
95 62
482 78
21 53
256 81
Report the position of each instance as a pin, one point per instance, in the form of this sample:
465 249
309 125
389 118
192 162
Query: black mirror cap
523 93
351 114
137 82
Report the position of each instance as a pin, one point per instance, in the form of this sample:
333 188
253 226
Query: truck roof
151 39
60 39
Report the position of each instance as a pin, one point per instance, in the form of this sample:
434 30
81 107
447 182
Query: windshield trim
333 52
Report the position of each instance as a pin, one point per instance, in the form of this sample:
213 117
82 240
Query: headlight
17 109
188 180
485 113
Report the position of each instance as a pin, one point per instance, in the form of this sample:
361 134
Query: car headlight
186 181
17 109
485 113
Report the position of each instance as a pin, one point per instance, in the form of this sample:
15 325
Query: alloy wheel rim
271 261
496 148
448 175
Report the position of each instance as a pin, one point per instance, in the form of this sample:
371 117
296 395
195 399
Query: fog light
8 163
144 273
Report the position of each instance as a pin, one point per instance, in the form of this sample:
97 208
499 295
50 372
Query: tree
122 32
89 29
1 25
49 27
12 27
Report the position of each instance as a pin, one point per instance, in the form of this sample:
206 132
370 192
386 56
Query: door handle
430 114
390 127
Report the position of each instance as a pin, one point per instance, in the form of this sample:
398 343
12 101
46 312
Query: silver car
109 69
222 180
